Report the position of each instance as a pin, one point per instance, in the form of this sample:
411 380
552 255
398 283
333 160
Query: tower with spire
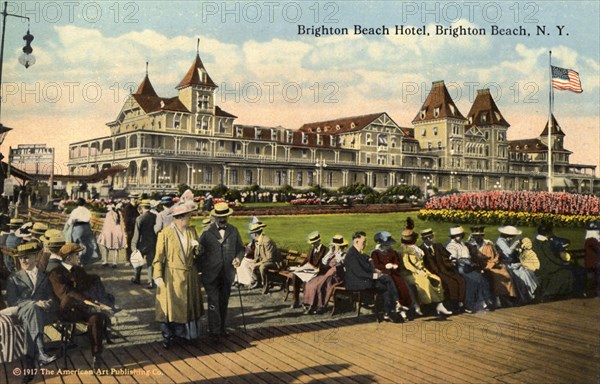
439 126
197 89
488 130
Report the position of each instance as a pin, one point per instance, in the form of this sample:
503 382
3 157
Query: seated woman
477 290
318 291
69 284
427 285
508 244
484 254
387 261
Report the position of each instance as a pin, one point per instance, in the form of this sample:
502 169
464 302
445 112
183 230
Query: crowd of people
44 270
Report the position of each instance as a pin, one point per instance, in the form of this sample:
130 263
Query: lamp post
427 182
452 176
27 59
164 178
497 186
194 172
320 164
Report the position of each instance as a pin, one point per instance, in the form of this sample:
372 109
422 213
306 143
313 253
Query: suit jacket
359 270
130 214
265 251
438 261
144 237
64 285
53 263
315 256
21 292
217 254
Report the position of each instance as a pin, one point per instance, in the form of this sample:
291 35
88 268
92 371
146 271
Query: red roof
438 105
531 146
222 113
153 104
146 88
556 129
194 77
485 112
345 124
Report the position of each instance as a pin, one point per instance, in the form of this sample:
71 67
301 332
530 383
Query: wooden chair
357 299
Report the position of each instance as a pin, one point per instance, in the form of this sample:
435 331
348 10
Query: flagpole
550 94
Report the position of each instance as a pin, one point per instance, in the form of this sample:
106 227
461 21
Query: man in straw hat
310 267
318 290
175 272
266 254
12 241
29 289
53 241
144 240
222 251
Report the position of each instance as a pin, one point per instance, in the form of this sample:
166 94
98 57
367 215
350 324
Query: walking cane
240 296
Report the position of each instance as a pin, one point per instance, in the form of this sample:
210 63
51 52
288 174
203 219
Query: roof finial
146 69
198 47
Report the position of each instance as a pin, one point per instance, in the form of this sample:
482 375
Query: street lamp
194 171
497 186
27 59
320 164
427 181
164 178
452 176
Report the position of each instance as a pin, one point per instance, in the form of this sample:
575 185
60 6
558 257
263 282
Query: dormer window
304 138
337 127
452 109
331 141
483 118
422 114
239 132
436 112
352 125
498 117
289 136
257 133
518 147
273 134
319 140
221 126
318 129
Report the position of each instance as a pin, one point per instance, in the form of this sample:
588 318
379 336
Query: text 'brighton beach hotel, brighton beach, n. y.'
187 139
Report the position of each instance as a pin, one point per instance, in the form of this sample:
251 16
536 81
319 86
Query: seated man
266 255
75 304
29 290
361 275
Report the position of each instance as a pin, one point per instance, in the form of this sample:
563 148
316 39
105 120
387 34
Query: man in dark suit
361 275
144 240
130 214
221 251
29 290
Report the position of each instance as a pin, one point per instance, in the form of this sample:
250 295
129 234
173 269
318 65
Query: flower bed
504 217
532 202
516 208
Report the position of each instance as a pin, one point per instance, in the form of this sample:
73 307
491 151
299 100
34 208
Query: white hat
509 230
456 230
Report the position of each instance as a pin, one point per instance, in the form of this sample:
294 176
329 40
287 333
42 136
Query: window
424 132
278 178
304 153
239 132
439 145
382 141
329 179
436 112
483 118
289 136
237 147
500 136
369 141
273 134
435 131
221 145
393 142
452 109
332 141
319 140
257 150
221 126
368 158
208 176
203 101
299 179
422 114
234 176
248 177
177 121
257 133
381 160
304 138
310 180
429 146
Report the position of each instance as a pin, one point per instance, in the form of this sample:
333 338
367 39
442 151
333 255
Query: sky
89 55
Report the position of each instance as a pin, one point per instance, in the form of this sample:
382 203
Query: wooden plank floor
556 342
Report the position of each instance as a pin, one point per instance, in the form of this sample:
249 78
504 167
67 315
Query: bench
291 258
357 299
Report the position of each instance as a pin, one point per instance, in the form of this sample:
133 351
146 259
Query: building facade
187 139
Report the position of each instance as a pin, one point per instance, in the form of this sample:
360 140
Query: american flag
566 79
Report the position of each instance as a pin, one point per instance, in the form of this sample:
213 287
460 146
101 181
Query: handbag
137 260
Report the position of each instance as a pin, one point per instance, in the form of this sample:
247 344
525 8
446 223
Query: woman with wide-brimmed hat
112 236
427 285
508 243
388 262
318 290
178 296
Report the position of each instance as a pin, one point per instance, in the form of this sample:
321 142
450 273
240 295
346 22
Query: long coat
179 300
144 237
359 271
554 279
428 285
380 259
217 254
488 258
112 235
437 260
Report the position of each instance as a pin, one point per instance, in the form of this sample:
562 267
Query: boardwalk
554 342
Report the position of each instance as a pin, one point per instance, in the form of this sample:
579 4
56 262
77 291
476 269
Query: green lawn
291 231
